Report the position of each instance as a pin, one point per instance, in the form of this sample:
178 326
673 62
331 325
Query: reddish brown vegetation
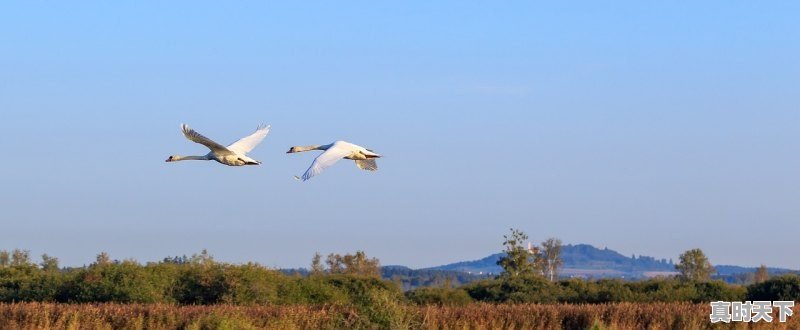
475 316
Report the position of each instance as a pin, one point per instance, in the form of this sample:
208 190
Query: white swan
365 158
232 155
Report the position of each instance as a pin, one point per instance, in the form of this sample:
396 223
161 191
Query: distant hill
581 260
486 265
732 270
586 261
413 278
744 275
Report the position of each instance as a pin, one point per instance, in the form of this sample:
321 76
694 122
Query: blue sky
649 128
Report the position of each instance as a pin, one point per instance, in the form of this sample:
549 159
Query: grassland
473 316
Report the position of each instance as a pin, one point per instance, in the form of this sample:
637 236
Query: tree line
530 275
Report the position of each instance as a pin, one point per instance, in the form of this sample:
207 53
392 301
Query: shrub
718 290
578 291
613 290
378 301
313 290
125 282
439 296
200 284
28 283
250 284
786 287
518 289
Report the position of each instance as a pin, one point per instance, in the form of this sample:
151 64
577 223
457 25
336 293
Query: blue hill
579 260
583 260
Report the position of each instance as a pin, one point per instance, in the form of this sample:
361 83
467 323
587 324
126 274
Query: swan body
232 155
364 158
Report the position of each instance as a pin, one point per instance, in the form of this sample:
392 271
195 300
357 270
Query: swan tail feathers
367 164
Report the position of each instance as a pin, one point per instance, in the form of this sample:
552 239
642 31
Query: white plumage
232 155
364 158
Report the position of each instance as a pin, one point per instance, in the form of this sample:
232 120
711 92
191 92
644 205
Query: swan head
173 158
307 148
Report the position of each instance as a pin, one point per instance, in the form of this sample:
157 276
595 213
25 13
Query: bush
786 287
28 283
538 290
578 291
379 301
201 284
519 289
313 290
126 282
718 290
250 284
612 290
439 296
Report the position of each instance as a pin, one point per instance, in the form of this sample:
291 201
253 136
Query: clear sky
647 127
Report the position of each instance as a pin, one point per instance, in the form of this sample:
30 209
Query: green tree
694 266
20 257
49 263
518 260
5 258
354 264
335 265
316 265
551 257
102 259
761 274
204 258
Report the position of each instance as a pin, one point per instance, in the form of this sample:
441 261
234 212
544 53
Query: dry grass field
474 316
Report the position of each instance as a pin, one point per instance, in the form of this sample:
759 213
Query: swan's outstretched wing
247 143
195 137
326 159
367 164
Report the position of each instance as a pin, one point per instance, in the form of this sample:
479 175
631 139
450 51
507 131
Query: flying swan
232 155
365 158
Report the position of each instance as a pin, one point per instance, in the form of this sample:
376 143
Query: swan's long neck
177 158
308 148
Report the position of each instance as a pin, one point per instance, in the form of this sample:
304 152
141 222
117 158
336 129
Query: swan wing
247 143
326 159
367 164
196 137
